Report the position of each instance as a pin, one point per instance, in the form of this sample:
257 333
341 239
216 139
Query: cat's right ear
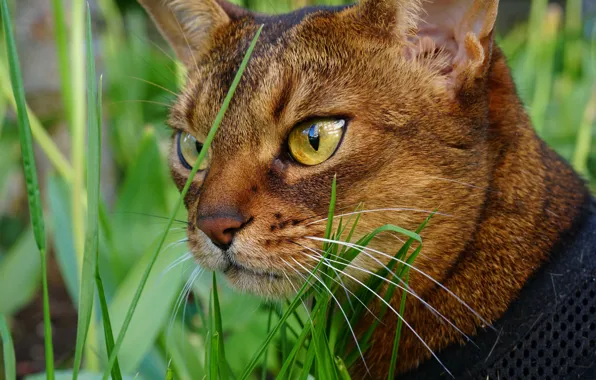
188 25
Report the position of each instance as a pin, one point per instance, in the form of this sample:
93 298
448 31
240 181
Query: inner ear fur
188 25
457 35
461 31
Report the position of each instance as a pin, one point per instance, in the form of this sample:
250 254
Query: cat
412 106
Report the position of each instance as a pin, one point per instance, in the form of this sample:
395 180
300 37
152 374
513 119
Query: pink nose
221 229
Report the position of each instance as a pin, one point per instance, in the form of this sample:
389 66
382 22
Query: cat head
390 96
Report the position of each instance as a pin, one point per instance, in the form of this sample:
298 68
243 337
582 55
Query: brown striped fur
428 129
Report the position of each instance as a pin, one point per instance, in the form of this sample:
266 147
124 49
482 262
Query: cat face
392 104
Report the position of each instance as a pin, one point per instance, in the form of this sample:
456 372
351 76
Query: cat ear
458 33
394 16
188 25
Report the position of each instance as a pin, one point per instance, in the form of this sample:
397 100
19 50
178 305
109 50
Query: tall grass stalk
78 81
584 139
94 206
89 267
544 72
290 310
61 38
30 170
195 169
10 371
573 42
78 128
42 138
217 330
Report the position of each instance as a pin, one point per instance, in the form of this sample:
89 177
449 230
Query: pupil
313 137
198 146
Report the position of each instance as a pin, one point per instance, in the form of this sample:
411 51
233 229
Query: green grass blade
266 354
211 347
400 322
170 372
35 206
331 212
94 162
87 290
375 282
42 137
194 171
10 372
77 71
583 144
342 369
221 353
61 38
214 358
310 358
107 325
289 311
292 307
290 360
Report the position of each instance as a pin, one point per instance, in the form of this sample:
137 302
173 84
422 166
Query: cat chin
267 285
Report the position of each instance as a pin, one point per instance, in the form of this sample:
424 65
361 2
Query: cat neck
534 198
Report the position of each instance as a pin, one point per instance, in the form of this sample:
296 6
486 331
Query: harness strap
549 332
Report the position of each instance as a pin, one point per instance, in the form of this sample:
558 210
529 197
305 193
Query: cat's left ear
457 34
463 29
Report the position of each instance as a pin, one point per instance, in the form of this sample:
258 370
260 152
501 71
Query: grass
118 265
8 357
32 184
89 271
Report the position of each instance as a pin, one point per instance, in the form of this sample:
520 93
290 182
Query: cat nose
221 228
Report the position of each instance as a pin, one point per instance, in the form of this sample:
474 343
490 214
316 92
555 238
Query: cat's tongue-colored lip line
241 268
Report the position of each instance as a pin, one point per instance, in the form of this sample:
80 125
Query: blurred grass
553 58
8 357
31 180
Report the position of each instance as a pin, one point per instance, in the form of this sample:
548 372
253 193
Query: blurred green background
550 47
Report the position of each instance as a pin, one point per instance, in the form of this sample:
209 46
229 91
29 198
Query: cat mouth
235 269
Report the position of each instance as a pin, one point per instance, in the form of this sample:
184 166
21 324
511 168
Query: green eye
314 142
188 151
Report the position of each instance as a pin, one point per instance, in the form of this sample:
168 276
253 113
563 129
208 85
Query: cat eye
314 142
188 151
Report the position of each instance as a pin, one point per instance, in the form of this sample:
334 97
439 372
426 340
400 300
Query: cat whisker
341 283
178 229
176 243
463 184
184 295
322 214
342 311
139 101
364 250
303 277
296 290
155 45
153 84
165 218
405 288
187 256
338 276
406 324
393 209
402 241
345 288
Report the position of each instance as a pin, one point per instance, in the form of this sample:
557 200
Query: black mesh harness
549 332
